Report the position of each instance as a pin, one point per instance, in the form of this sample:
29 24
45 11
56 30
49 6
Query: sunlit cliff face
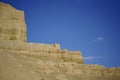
12 25
20 60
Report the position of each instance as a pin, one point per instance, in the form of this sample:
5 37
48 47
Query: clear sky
91 26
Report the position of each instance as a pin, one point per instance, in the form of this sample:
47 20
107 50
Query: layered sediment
20 60
12 25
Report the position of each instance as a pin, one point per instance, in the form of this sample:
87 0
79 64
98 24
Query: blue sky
91 26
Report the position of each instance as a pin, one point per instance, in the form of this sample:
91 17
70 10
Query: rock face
20 60
12 25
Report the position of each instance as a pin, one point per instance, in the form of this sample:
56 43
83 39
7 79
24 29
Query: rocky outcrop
41 50
13 37
12 24
20 60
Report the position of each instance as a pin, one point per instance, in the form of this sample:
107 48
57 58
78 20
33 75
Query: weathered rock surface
20 60
12 24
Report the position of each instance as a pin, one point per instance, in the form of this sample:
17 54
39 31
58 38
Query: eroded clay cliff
20 60
12 25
